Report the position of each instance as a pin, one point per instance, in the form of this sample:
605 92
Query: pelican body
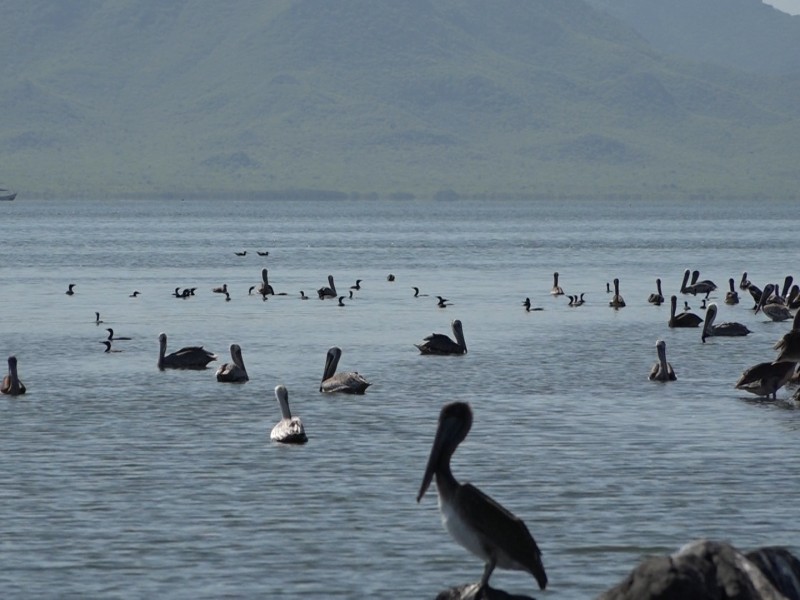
766 378
188 357
327 292
11 383
697 287
732 297
345 382
774 308
616 300
556 290
684 319
729 329
662 370
788 346
439 343
264 288
472 518
233 372
289 430
657 297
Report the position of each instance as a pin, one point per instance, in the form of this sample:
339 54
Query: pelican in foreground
233 372
729 329
11 383
766 378
788 346
327 292
773 307
188 357
289 430
345 382
472 518
662 370
556 290
684 319
657 297
439 343
616 300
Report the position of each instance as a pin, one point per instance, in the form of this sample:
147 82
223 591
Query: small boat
6 194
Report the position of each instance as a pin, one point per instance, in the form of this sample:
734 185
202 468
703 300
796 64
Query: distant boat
7 194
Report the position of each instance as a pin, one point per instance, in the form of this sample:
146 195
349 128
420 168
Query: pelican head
455 421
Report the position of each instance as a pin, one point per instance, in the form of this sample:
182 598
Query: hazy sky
790 6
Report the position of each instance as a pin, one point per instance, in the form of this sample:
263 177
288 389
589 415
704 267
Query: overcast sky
790 6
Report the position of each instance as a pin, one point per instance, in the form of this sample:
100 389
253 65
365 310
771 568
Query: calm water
121 481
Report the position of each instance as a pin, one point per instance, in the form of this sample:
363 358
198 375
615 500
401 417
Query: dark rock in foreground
471 591
705 570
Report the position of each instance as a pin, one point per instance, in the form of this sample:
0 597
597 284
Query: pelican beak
439 442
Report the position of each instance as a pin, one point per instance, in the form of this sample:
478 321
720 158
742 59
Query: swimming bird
788 346
233 372
793 299
70 291
755 293
744 283
473 519
686 307
242 253
696 287
345 382
443 302
528 308
264 253
657 297
662 370
556 290
772 307
439 343
11 383
303 295
327 292
111 337
616 300
390 277
341 301
134 294
416 292
177 292
684 319
289 430
729 329
227 297
97 320
766 378
220 290
108 346
188 357
264 287
732 297
357 285
608 288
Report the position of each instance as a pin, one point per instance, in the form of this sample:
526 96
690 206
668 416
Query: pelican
732 297
697 287
793 299
616 300
70 291
357 286
662 370
788 346
766 378
775 310
348 383
416 292
657 297
745 282
11 383
439 343
220 290
108 346
188 357
233 372
729 329
327 292
755 293
97 319
289 430
685 319
111 337
556 291
265 288
472 518
242 253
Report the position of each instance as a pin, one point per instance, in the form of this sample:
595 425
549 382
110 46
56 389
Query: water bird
188 357
684 319
289 430
416 292
242 253
134 294
108 346
473 519
788 346
439 343
345 382
616 300
608 288
662 370
696 287
390 277
357 285
774 308
227 297
744 283
656 297
220 290
755 293
766 378
234 371
70 291
262 253
556 290
111 337
97 319
11 383
443 302
303 295
732 297
328 292
250 290
264 287
729 329
793 300
527 304
341 301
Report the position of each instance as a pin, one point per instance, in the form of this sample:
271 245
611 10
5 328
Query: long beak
439 443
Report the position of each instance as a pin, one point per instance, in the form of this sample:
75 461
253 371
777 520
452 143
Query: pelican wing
439 343
504 535
348 383
231 372
289 431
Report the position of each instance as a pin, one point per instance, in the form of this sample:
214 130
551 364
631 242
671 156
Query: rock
472 591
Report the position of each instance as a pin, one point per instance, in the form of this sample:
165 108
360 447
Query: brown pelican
264 287
439 343
108 347
744 283
657 297
697 287
264 253
616 300
221 290
327 292
289 430
111 337
188 357
788 346
472 518
732 297
357 286
774 308
70 291
765 379
250 290
242 253
556 291
348 383
97 319
793 299
787 284
233 372
685 319
729 329
755 293
662 370
11 383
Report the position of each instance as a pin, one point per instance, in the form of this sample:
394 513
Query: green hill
376 97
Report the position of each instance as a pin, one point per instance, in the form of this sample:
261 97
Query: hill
374 97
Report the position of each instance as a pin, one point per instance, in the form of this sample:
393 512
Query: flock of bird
473 519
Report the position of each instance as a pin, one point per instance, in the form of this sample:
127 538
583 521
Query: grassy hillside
455 97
